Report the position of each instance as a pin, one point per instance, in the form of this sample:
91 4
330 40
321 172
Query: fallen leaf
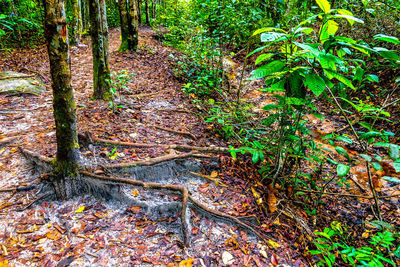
54 235
135 193
214 174
273 244
227 258
186 263
274 260
80 209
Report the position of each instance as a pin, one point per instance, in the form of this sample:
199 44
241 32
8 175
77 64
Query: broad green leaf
272 37
391 179
267 29
340 78
394 152
342 170
315 83
262 58
257 50
387 38
373 78
366 157
328 29
344 139
267 69
324 5
381 144
314 51
369 135
271 107
396 166
349 18
305 30
376 166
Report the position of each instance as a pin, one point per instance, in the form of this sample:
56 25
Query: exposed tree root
208 177
8 140
18 189
186 197
184 133
88 138
152 161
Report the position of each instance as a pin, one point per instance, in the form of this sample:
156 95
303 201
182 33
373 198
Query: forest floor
87 231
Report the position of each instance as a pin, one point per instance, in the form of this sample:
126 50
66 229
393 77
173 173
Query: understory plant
118 84
333 241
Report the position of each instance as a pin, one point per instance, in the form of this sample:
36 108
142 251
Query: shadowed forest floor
88 231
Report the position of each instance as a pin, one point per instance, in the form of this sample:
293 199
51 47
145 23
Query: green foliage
118 84
333 241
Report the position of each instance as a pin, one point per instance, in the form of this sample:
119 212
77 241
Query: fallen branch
35 201
18 189
211 149
184 133
152 161
186 197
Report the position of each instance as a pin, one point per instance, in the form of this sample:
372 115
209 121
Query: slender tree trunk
86 16
101 65
76 23
66 163
139 11
133 38
146 2
123 13
154 9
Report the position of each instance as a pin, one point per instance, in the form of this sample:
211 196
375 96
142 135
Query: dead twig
35 201
208 177
346 195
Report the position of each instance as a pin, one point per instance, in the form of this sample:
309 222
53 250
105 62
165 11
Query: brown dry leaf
231 242
135 209
54 235
271 199
214 174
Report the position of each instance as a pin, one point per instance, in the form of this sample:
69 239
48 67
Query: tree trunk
66 163
133 37
76 22
101 65
146 2
139 10
86 16
123 13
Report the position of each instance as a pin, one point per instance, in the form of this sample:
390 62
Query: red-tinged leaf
202 189
134 209
274 260
195 231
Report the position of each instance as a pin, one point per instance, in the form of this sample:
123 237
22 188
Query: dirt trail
86 231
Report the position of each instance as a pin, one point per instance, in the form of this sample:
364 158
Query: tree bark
101 65
133 38
76 22
139 10
123 14
146 2
66 163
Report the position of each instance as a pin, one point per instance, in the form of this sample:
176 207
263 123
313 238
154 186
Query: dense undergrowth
314 54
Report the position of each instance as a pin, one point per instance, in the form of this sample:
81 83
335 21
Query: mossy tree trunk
66 163
99 34
76 22
133 38
146 2
129 25
139 10
123 14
